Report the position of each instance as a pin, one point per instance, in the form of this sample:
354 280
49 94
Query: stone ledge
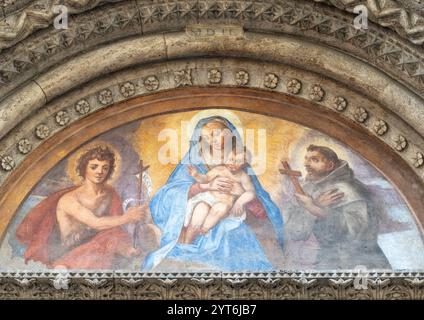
276 286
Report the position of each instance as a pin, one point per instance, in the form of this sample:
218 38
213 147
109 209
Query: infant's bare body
212 206
237 177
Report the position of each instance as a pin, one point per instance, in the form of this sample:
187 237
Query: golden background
280 135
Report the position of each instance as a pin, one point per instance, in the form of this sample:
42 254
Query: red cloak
40 226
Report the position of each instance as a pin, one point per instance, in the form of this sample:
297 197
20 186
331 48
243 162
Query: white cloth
208 198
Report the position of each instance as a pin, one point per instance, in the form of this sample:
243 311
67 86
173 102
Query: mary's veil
168 208
194 155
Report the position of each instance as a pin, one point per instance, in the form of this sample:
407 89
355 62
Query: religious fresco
213 190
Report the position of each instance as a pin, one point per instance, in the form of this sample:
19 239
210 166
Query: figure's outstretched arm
247 196
320 206
215 183
308 203
74 209
249 189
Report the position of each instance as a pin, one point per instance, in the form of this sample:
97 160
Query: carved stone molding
180 286
383 49
9 6
24 17
174 46
35 15
403 16
51 46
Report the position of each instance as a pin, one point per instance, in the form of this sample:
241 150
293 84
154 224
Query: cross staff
139 196
293 175
139 175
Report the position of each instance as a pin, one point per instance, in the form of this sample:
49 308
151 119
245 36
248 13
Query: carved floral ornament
42 131
271 80
62 118
214 76
400 143
105 96
82 107
360 114
340 103
242 77
317 93
24 146
183 78
151 83
294 86
127 89
380 127
7 163
418 160
280 286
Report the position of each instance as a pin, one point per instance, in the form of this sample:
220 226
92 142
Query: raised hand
237 209
329 198
305 201
308 203
221 184
135 214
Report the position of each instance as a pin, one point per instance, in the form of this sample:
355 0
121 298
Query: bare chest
99 205
224 172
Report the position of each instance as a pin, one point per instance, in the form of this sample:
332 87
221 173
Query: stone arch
369 83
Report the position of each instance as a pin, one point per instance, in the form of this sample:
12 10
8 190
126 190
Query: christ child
206 209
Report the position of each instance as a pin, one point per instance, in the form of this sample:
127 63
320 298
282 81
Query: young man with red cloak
81 227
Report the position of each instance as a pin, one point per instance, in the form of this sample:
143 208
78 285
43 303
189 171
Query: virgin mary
231 245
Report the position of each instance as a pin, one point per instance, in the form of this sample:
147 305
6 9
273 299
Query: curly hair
101 153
